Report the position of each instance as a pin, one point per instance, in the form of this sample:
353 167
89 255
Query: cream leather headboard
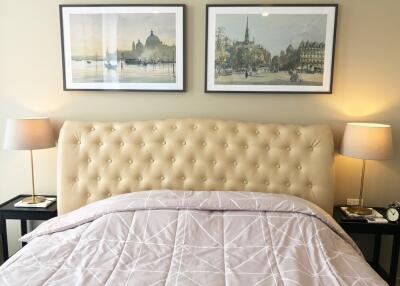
98 160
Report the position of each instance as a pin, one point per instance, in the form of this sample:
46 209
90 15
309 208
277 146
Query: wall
366 88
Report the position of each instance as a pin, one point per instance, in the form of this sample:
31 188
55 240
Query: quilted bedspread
168 237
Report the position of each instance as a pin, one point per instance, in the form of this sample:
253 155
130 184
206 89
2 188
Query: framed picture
270 48
123 47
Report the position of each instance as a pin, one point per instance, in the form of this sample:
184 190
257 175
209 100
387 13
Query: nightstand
378 229
8 211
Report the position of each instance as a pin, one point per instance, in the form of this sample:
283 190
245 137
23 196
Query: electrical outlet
352 202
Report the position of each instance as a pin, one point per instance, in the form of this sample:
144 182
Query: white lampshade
368 141
28 134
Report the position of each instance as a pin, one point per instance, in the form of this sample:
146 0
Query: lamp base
34 200
359 210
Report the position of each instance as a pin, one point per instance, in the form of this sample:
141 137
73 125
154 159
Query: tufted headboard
98 160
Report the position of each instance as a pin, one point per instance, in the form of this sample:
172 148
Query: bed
191 202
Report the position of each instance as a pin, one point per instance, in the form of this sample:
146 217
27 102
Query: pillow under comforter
168 237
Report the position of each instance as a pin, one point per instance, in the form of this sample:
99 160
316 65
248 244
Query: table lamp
29 134
366 141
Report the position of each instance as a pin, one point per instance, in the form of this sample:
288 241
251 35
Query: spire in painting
247 34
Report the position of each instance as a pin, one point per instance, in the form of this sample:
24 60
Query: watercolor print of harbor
275 50
123 48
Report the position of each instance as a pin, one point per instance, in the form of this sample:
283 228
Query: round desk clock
393 212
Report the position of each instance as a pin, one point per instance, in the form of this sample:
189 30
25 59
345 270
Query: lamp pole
359 209
33 199
360 201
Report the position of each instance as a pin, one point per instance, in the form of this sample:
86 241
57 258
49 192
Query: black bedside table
8 211
378 229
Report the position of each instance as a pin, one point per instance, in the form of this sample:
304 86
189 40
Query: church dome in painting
152 41
139 44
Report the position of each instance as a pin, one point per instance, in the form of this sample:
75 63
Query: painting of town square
135 49
268 51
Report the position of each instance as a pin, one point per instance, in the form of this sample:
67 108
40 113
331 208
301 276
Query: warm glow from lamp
364 101
377 125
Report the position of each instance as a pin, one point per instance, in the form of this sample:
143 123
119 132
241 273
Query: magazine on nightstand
44 204
374 214
375 217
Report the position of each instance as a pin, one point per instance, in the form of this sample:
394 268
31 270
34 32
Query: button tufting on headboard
99 160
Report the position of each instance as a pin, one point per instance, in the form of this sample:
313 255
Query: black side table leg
395 259
4 241
377 249
24 229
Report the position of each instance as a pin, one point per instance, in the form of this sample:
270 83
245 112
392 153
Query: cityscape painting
123 47
270 49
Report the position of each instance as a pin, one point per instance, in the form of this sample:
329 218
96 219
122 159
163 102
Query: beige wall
366 88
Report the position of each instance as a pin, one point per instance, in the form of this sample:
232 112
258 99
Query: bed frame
98 160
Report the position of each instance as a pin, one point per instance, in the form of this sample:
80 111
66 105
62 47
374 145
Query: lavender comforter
190 238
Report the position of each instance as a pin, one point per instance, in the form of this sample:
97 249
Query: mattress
165 237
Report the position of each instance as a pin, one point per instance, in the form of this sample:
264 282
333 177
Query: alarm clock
393 212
